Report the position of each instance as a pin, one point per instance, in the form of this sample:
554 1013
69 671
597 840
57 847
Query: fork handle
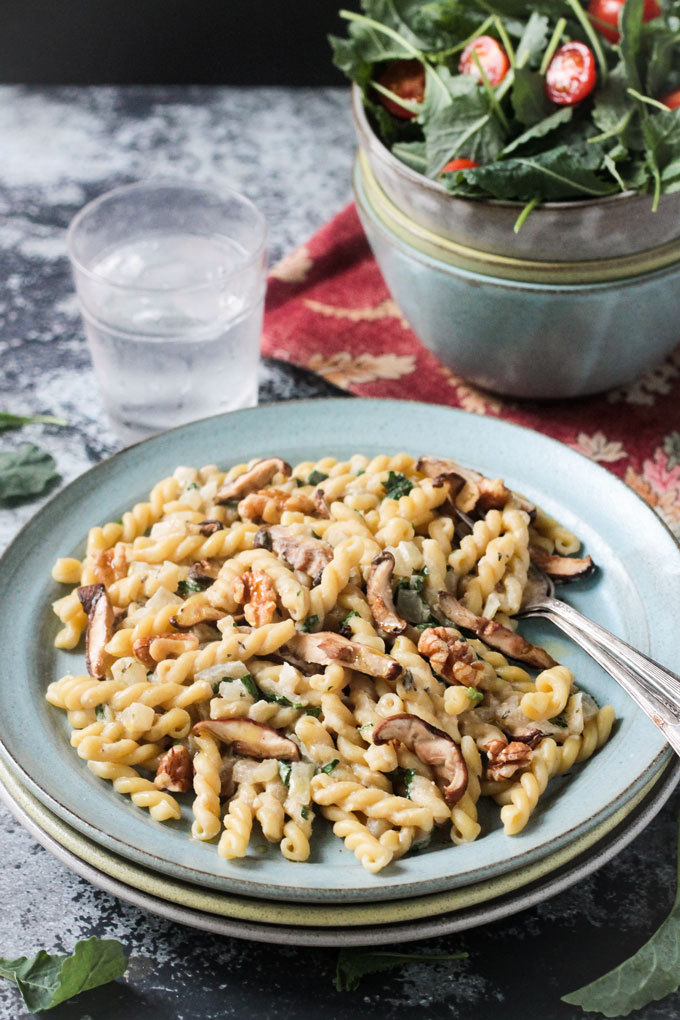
664 715
652 673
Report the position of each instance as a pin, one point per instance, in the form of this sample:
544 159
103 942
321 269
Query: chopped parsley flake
310 622
474 695
304 812
250 686
100 711
284 772
397 485
190 585
316 477
329 766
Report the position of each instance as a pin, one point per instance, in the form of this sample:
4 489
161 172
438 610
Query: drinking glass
171 280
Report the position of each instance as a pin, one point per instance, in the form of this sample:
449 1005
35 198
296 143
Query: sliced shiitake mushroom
100 623
379 595
494 634
326 647
300 551
562 569
432 746
255 478
251 739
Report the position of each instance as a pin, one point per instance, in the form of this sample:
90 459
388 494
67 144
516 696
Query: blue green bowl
520 327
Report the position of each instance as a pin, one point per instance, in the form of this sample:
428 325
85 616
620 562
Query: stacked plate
581 821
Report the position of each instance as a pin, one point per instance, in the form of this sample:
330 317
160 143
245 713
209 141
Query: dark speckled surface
290 150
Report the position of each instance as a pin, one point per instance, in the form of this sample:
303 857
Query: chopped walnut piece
506 759
109 565
174 772
256 592
451 658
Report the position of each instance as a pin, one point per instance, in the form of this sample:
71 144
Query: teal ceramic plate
305 924
638 582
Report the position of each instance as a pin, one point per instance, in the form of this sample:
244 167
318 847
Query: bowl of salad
548 131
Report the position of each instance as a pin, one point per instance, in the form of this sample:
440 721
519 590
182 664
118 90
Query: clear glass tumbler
171 280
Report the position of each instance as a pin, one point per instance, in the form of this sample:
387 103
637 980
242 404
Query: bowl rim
365 131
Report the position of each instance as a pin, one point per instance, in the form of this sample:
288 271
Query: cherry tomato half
491 56
608 11
671 99
406 78
459 164
571 74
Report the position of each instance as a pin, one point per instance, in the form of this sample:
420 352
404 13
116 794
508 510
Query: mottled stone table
291 152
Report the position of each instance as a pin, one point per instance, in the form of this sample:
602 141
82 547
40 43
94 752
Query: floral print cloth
329 310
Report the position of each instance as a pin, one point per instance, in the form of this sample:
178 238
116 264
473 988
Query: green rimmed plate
640 578
360 924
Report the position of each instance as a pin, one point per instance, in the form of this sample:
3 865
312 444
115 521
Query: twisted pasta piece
234 645
465 827
523 795
238 823
335 576
369 851
67 570
74 618
105 742
142 792
474 545
373 803
552 690
207 783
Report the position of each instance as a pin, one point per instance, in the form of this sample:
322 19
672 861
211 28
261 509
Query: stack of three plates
582 820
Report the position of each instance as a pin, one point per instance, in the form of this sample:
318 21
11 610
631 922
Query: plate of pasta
292 669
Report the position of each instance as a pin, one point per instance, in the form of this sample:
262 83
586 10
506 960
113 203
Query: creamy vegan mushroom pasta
287 642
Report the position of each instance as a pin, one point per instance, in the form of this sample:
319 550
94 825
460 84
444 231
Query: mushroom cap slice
494 634
251 739
100 622
257 477
326 647
561 568
300 551
379 595
432 746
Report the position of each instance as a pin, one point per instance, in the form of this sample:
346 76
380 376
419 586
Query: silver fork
655 689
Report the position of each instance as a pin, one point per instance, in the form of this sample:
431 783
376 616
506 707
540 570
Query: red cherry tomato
608 11
671 99
459 164
571 74
491 56
406 78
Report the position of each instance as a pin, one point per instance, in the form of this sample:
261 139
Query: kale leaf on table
353 964
651 973
618 138
46 979
25 472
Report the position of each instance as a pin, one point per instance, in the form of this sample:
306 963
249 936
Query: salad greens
527 148
26 471
45 980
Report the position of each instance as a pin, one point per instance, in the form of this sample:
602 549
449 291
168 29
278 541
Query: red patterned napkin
329 310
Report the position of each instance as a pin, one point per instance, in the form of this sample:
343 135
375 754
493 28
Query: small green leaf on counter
650 974
329 766
353 964
16 421
397 485
45 980
25 472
